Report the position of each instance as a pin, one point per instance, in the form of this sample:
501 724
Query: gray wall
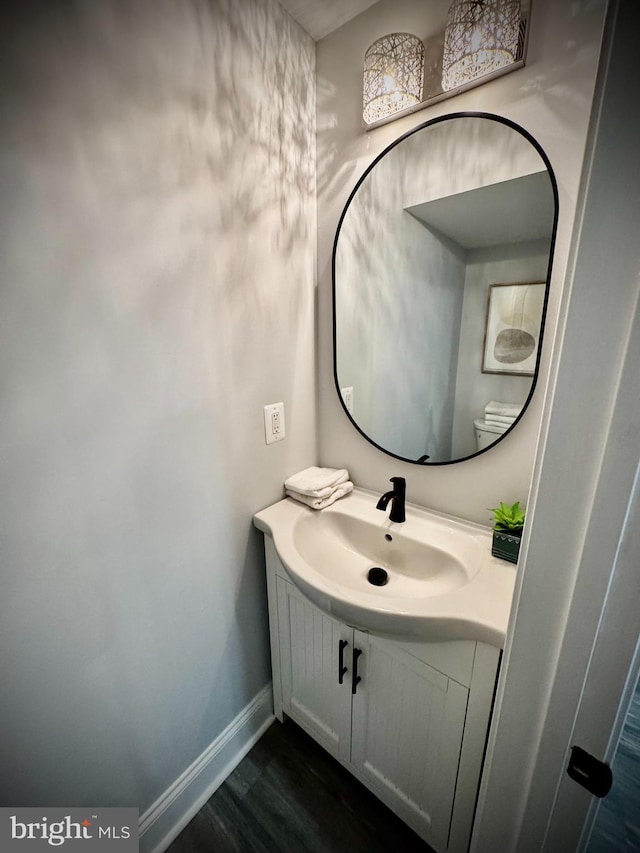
156 269
551 98
517 262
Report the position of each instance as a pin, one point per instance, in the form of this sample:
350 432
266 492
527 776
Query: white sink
342 547
443 583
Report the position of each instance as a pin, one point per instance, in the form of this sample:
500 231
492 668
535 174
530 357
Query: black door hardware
355 678
592 774
341 667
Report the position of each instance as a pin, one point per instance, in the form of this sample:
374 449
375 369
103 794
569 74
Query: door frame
598 724
583 482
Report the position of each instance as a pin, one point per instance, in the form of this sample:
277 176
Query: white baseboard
172 811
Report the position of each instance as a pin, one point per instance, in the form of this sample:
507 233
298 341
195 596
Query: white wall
517 262
551 98
575 627
157 263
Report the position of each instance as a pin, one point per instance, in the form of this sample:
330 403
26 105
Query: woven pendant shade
393 76
481 37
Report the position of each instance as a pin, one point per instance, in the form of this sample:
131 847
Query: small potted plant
508 522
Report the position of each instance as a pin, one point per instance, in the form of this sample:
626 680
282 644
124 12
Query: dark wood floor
289 796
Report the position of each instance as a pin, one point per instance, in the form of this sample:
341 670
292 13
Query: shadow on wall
336 178
157 242
203 161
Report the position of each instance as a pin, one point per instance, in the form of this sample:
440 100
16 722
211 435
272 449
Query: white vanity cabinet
407 727
408 718
310 646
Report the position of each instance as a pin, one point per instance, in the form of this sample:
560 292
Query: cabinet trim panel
408 724
309 654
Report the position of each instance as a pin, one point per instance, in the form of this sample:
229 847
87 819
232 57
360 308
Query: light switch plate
274 422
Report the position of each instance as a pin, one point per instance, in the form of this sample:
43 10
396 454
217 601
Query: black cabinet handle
355 678
341 667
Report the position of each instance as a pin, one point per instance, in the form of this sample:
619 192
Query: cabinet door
408 722
310 654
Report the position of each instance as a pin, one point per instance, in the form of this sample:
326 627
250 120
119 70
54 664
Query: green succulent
507 517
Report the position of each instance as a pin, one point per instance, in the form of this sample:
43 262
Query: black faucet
397 499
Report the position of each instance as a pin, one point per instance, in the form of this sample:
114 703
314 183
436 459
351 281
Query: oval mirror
441 266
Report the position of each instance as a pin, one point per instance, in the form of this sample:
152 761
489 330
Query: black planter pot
506 544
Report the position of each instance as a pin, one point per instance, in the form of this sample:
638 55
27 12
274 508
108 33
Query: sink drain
377 576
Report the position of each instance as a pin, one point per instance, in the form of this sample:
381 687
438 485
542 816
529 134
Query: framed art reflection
512 328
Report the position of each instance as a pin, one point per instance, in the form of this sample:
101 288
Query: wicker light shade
393 76
481 37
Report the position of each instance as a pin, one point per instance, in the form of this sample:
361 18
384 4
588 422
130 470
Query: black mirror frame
554 186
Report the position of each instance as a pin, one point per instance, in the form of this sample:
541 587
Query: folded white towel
320 503
494 407
316 482
499 419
